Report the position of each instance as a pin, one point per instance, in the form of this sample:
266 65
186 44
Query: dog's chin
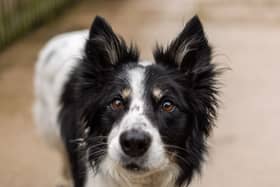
134 168
122 171
139 168
133 171
136 171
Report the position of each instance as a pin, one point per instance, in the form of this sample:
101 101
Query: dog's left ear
106 49
189 51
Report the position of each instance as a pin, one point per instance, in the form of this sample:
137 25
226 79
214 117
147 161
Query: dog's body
120 121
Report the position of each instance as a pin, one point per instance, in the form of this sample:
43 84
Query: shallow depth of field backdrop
245 150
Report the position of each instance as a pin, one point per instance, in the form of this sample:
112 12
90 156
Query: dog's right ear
105 49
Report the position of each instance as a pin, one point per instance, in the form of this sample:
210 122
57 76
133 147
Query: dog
119 121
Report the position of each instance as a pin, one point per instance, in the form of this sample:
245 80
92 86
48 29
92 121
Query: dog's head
147 119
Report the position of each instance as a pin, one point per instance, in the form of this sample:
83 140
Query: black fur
196 80
191 83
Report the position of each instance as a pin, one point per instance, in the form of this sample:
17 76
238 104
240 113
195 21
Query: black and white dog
120 121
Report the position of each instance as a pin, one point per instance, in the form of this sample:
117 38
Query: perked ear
105 49
191 55
190 50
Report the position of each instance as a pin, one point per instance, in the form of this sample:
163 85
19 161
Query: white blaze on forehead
136 78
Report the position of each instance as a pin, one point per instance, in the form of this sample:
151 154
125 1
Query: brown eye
168 106
117 104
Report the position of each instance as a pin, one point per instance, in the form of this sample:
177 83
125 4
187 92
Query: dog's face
144 119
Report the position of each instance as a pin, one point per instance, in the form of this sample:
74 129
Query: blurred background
245 34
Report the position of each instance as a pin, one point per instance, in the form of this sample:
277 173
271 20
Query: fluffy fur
121 123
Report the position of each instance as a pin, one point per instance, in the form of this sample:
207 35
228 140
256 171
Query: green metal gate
19 16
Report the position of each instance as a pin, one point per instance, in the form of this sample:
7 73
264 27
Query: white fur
55 62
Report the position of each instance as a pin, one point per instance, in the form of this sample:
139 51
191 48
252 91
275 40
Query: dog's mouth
134 167
138 171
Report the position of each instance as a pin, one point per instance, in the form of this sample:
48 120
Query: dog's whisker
100 145
78 140
175 147
98 137
92 148
98 151
179 157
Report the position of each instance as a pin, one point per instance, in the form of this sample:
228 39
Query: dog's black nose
134 142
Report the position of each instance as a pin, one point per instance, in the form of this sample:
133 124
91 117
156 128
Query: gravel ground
245 144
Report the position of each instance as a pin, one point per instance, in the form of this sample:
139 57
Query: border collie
119 121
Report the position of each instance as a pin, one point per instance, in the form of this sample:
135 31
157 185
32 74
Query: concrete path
245 148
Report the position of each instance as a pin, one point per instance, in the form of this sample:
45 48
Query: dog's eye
117 104
168 106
